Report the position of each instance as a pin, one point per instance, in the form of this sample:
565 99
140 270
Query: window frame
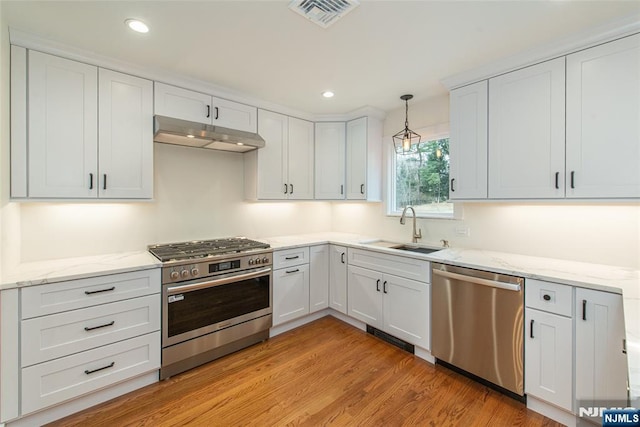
431 133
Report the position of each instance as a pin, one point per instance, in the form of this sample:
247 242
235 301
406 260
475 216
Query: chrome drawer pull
110 365
113 288
87 328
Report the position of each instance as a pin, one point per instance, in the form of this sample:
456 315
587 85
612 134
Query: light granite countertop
594 276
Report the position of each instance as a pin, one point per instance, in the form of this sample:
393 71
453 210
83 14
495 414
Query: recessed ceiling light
328 94
137 25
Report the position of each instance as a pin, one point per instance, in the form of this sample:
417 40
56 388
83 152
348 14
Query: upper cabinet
194 106
68 110
330 161
364 159
568 127
603 121
283 169
468 142
526 132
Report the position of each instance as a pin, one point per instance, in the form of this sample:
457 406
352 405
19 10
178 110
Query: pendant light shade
406 141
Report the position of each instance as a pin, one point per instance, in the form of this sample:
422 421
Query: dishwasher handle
478 280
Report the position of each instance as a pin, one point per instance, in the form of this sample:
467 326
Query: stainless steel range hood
169 130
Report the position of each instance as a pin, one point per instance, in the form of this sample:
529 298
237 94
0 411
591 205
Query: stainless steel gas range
217 299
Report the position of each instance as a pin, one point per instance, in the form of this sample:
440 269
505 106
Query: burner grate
198 249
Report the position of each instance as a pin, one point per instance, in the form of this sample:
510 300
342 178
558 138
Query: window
421 179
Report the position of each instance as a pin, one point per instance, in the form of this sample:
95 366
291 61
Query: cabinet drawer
62 379
290 257
57 335
409 268
73 294
547 296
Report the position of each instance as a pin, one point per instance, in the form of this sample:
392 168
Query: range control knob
195 271
257 261
265 260
175 275
251 261
184 274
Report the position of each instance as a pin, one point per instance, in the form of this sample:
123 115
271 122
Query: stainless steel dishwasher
477 324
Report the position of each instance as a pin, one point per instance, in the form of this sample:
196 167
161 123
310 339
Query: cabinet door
182 104
63 127
338 278
300 159
290 293
271 177
356 166
126 136
603 120
318 278
234 115
468 142
365 296
526 132
406 309
548 357
330 161
601 366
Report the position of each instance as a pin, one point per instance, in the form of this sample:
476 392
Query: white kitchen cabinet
290 293
330 140
80 336
549 357
338 278
172 101
84 132
364 159
601 364
365 295
468 142
318 278
283 169
62 127
384 293
125 136
527 132
406 309
603 121
394 304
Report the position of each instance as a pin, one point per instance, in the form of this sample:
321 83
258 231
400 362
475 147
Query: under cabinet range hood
168 130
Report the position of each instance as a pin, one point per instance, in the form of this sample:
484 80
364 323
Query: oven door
195 308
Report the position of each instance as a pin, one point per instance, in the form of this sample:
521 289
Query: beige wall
606 233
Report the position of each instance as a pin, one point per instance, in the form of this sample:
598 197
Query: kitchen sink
416 249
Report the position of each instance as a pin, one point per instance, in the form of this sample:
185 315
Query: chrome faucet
417 235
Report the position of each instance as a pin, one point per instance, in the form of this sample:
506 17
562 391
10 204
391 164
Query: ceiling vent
323 12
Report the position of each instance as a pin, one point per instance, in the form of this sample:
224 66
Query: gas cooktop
199 249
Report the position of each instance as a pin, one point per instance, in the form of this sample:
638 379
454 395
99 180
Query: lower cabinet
338 278
601 362
80 336
318 278
300 282
549 357
548 342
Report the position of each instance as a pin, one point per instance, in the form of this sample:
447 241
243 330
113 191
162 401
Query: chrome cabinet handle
87 328
113 288
110 365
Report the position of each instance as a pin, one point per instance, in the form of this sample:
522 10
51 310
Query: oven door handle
195 286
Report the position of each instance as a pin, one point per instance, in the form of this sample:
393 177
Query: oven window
204 307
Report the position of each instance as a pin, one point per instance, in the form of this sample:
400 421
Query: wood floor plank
325 373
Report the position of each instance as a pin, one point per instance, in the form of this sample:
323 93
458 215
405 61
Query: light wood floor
324 373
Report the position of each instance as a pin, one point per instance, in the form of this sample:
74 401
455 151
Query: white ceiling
376 53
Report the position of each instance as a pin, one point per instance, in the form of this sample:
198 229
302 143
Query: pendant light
406 141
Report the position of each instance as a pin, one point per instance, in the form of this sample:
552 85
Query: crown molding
596 35
35 42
